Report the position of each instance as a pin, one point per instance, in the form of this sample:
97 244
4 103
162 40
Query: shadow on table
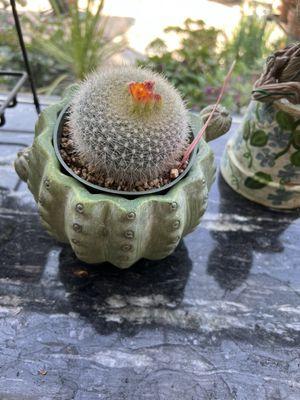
108 297
245 228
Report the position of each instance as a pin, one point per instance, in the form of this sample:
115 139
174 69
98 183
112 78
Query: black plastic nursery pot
57 133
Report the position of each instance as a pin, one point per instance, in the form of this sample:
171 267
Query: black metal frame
11 99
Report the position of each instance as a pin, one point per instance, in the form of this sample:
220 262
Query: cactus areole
127 125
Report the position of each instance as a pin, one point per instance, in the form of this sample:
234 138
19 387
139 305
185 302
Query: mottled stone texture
218 319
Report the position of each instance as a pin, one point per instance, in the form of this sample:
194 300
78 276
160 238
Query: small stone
174 173
42 372
108 182
81 273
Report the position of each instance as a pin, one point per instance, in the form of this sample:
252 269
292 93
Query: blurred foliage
251 41
194 64
6 3
76 37
64 44
67 42
44 69
199 65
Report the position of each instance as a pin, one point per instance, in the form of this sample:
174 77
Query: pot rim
56 144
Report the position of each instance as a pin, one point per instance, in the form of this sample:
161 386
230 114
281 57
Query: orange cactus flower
143 92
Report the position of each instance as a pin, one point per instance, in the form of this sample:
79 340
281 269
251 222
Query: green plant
193 65
76 38
251 41
44 68
129 124
64 43
197 67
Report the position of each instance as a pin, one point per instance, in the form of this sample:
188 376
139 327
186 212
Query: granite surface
218 319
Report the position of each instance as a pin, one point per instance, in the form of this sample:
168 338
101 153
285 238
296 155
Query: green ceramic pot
107 227
262 161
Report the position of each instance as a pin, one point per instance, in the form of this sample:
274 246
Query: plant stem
203 129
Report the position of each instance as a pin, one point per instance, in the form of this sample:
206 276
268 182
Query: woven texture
281 78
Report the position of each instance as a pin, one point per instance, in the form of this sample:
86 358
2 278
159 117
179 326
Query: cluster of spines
120 143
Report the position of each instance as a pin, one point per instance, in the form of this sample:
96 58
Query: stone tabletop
218 319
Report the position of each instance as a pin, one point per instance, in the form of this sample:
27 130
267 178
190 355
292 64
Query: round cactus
129 124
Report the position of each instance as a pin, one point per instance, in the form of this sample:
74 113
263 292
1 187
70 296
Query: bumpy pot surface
262 161
103 227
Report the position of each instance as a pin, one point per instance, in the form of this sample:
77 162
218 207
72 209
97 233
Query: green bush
67 42
199 65
194 65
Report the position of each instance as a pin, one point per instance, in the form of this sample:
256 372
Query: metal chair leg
25 58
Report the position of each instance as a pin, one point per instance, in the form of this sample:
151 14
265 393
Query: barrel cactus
129 124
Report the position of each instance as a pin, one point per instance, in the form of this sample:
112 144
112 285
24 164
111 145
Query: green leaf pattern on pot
295 158
259 138
247 130
285 121
296 139
264 113
258 181
263 159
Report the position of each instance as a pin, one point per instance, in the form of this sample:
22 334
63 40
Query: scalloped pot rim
100 189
